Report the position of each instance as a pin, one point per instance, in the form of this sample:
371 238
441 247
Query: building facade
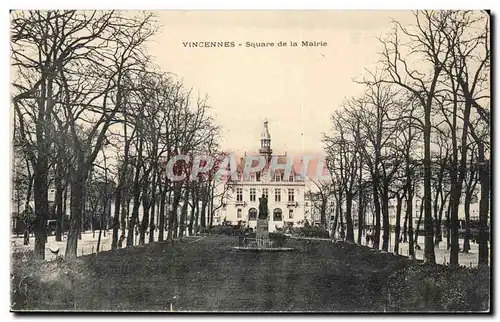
285 194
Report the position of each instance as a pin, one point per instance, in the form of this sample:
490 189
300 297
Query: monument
262 242
262 229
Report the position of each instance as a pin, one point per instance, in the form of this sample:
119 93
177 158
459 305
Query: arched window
277 214
252 214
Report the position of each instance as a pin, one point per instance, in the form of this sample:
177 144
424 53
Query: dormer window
253 177
290 178
277 177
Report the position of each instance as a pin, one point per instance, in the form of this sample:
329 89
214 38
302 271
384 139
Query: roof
254 161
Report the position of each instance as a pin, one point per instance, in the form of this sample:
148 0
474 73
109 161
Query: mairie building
285 193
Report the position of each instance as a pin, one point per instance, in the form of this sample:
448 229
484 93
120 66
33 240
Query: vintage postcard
250 161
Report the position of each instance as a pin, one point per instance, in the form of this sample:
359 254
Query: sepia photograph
260 161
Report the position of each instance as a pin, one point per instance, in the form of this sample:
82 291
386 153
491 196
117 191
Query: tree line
96 120
419 131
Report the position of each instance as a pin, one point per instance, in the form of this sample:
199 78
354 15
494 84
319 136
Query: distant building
285 195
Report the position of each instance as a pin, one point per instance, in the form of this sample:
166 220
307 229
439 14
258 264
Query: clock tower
265 142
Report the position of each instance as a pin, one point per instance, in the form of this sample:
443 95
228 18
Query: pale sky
295 88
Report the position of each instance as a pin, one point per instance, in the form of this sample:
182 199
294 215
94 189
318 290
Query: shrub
278 239
42 285
311 231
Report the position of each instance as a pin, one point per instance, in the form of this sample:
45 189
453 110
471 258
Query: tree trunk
176 222
121 183
348 217
124 215
84 209
173 212
161 214
323 218
64 206
405 228
136 191
467 201
484 234
197 216
342 231
448 227
409 214
134 216
210 208
75 221
59 210
376 202
420 215
184 213
454 204
436 220
335 220
41 205
116 217
470 188
203 220
153 208
385 218
193 208
361 219
439 233
99 236
29 191
146 205
398 223
429 256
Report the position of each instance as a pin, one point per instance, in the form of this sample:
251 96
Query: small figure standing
369 237
26 237
342 234
120 241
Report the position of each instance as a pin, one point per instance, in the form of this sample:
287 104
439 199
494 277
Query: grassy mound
206 274
420 287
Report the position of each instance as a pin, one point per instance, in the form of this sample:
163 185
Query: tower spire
265 141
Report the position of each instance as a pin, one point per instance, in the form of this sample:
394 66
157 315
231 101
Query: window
239 194
277 215
277 195
252 194
265 193
290 178
252 214
238 213
258 176
252 177
291 196
277 177
290 213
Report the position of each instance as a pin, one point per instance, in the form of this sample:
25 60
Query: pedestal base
262 233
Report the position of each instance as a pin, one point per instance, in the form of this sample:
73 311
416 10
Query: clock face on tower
265 176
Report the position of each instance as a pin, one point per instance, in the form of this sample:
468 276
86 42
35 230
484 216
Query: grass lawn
208 275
